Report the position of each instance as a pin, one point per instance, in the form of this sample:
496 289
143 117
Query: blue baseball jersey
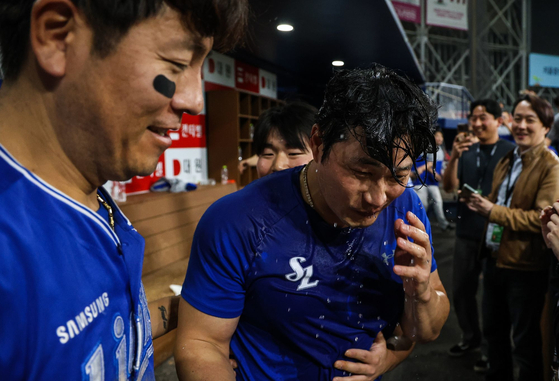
305 291
73 305
427 176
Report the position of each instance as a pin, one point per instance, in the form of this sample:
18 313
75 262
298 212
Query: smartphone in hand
467 191
463 127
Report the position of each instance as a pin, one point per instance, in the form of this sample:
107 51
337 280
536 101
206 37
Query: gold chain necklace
308 193
109 210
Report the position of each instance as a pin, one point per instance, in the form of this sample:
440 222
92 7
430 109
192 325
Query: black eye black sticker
164 85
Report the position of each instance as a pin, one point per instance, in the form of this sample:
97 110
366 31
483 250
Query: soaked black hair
224 20
293 122
383 110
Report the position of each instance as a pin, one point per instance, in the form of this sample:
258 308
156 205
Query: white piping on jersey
50 190
145 363
122 215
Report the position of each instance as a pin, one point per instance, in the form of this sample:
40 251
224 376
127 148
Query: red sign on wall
246 77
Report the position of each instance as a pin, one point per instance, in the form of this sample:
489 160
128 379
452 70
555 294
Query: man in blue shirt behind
316 272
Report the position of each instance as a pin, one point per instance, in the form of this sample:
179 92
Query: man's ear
316 143
52 27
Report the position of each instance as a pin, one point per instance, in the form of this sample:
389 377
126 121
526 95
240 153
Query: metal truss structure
490 60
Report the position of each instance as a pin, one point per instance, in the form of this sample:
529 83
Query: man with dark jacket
472 164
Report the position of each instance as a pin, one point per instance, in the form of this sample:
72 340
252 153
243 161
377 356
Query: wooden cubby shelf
231 118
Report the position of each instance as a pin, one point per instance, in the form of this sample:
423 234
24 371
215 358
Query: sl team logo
301 273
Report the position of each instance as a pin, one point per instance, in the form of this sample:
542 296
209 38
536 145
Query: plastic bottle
224 175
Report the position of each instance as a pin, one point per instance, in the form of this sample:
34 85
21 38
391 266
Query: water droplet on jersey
356 338
335 225
316 335
328 300
289 309
307 222
459 217
321 317
321 326
378 317
385 243
342 136
380 326
360 286
360 315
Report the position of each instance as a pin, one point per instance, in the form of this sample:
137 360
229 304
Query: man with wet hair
318 271
92 89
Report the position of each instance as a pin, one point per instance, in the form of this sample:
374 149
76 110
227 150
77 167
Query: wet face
121 108
527 129
277 156
484 124
355 187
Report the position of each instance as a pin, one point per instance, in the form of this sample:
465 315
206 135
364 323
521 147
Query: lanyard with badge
497 233
484 170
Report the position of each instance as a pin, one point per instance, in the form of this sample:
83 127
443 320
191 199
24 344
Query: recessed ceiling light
285 27
337 63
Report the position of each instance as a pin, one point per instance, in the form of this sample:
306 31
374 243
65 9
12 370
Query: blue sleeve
215 279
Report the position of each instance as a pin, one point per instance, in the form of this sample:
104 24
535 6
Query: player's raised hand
413 259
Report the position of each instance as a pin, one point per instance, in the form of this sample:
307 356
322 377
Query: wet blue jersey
73 305
305 291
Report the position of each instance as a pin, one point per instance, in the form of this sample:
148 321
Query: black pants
513 299
466 269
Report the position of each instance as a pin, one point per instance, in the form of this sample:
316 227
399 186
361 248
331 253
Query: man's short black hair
491 106
383 110
293 122
224 20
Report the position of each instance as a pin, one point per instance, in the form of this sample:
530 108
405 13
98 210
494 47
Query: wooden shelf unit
230 114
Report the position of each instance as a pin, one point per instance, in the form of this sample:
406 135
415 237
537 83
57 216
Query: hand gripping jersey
73 305
305 291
